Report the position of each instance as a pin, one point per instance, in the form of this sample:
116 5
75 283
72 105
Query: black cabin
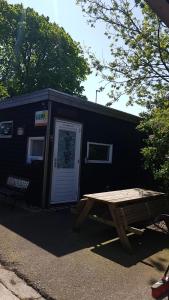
67 146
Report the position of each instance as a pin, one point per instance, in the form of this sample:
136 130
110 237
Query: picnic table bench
15 188
125 207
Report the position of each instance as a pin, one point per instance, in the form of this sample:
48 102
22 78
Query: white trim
7 136
30 157
110 149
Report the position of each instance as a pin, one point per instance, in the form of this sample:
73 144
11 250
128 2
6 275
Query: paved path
14 288
5 294
85 265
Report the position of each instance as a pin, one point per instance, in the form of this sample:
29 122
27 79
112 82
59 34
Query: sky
69 15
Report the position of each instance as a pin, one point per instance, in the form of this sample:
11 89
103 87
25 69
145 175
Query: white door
66 162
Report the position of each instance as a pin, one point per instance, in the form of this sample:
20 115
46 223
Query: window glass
66 149
99 152
37 148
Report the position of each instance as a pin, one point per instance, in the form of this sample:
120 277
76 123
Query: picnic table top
124 196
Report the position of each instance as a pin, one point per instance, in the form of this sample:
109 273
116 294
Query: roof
161 8
73 101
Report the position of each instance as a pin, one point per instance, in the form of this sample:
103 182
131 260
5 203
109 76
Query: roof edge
74 101
77 102
23 99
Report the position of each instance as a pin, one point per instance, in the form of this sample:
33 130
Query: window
66 149
99 153
35 149
6 129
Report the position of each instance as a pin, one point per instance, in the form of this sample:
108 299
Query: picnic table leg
120 227
83 214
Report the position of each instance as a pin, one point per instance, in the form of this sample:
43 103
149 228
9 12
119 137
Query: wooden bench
15 188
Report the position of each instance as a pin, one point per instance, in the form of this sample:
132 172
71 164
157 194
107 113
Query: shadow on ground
143 247
52 231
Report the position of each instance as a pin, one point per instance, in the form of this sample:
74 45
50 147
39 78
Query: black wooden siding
125 170
13 151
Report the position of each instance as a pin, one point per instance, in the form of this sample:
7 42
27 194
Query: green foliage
139 47
140 68
3 92
156 151
35 53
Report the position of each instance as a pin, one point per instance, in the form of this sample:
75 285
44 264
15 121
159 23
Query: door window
66 149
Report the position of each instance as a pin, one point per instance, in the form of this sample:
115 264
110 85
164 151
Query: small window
99 153
35 149
6 129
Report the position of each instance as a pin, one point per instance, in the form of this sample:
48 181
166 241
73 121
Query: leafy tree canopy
3 91
156 150
139 47
35 53
140 68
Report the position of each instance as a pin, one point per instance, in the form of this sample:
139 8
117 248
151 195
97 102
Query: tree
139 68
35 53
139 49
156 150
3 91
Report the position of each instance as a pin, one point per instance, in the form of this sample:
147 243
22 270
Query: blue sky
68 15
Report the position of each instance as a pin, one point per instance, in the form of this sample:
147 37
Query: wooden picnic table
125 207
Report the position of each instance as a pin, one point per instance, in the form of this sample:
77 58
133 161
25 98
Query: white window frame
109 161
7 136
30 157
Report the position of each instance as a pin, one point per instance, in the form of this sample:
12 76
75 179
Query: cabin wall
13 151
125 171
